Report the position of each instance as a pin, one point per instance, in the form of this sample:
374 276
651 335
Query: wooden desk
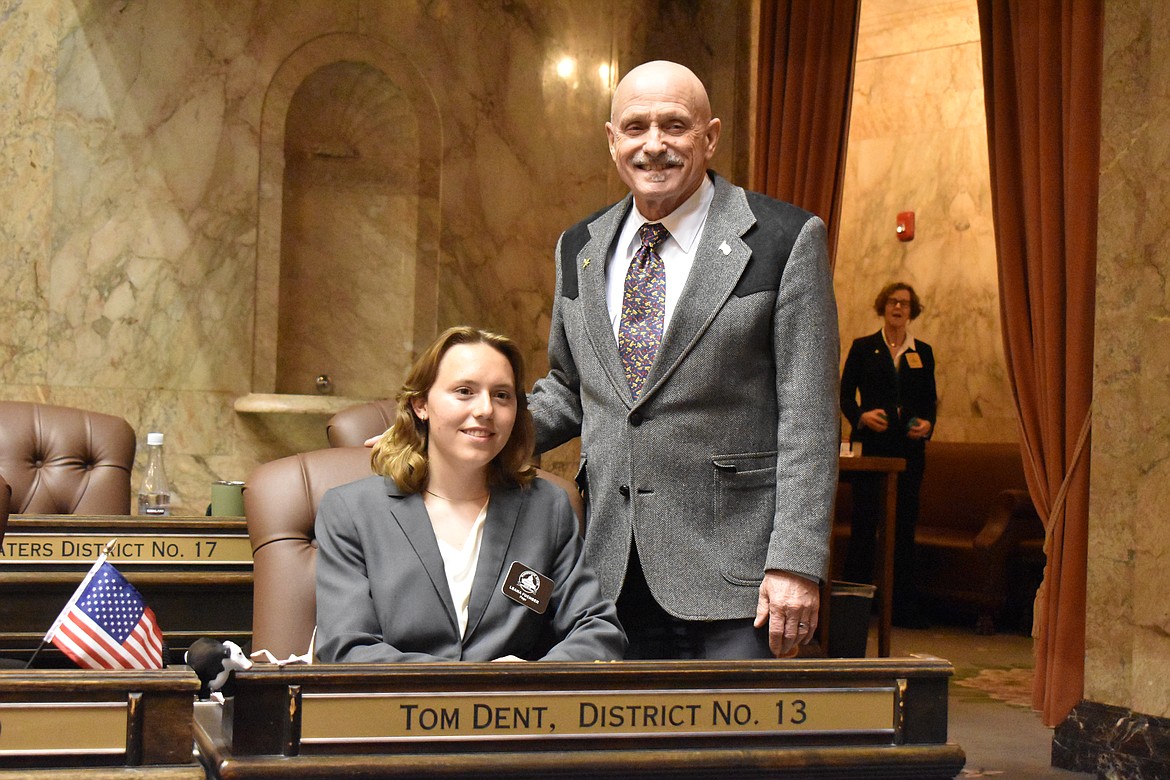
101 724
194 572
778 719
887 469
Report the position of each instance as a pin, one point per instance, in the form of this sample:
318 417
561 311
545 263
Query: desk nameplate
392 717
62 728
21 547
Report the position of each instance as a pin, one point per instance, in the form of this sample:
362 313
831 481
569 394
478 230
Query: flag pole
69 604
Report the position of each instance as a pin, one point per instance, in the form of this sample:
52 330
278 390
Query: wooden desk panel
798 718
195 573
97 724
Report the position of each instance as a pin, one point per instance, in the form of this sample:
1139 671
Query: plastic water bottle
154 497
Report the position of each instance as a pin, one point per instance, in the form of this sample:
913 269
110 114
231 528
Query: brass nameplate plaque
384 717
62 728
220 549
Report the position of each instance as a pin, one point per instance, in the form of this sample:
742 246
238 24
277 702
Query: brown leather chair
280 505
353 425
5 497
976 527
61 460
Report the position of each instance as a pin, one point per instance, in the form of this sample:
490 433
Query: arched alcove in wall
348 233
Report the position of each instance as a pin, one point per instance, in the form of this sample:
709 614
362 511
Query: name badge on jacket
913 360
528 587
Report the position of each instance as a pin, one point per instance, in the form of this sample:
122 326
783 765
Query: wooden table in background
887 469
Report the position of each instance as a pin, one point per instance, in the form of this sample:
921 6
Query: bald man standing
694 350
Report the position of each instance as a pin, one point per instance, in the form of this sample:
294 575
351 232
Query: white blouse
459 564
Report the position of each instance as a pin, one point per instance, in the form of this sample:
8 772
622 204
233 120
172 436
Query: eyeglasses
894 303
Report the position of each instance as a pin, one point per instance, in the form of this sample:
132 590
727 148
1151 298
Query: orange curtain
1042 79
805 81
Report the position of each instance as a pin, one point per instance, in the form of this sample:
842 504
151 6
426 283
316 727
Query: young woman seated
455 550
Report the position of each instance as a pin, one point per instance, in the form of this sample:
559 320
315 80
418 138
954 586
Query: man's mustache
667 158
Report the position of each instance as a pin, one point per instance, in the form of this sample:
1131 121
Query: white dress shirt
898 352
677 252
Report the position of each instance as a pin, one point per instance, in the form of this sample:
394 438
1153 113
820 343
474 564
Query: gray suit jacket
382 592
727 463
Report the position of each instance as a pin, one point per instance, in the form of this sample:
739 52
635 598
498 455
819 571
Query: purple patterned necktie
643 307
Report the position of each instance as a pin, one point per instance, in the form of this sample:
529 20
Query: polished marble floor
988 714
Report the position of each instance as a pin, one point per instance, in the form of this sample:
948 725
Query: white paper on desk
307 658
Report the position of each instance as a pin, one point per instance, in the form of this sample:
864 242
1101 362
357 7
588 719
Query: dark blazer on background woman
904 394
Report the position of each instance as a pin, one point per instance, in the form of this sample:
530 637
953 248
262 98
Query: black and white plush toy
213 662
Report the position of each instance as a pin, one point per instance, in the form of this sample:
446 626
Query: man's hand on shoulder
790 604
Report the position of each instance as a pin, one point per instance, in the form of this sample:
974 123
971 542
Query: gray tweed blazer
727 464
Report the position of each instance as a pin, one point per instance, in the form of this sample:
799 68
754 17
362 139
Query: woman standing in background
893 373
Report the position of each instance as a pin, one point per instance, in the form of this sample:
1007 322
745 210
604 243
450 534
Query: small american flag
107 625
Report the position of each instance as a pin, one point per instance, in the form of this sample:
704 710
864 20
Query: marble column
1122 729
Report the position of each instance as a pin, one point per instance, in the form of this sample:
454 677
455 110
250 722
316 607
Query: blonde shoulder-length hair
401 453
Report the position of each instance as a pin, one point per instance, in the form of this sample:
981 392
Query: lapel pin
585 263
724 248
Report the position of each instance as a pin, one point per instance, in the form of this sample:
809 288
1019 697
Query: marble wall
130 220
1128 614
918 142
134 238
